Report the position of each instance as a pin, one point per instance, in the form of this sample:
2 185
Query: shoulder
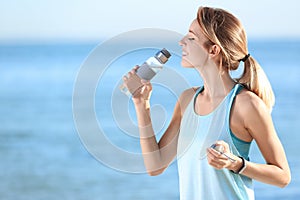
250 101
189 93
249 104
186 97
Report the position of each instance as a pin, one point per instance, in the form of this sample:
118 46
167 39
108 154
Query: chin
186 64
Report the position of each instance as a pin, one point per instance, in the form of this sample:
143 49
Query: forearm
149 144
267 173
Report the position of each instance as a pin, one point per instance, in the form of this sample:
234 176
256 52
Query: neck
217 82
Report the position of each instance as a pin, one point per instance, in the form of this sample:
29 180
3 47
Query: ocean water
43 157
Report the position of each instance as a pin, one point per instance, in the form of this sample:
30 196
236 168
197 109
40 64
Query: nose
181 42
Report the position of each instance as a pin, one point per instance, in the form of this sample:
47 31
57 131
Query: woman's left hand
218 160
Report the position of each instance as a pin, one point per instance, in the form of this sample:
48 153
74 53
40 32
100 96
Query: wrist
236 165
239 166
144 103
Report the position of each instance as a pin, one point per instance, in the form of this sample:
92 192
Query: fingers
136 68
216 159
216 163
224 144
137 87
145 82
215 155
125 78
147 88
132 71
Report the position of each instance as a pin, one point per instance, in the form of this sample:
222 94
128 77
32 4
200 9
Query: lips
184 53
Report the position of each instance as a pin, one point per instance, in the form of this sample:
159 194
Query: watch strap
242 168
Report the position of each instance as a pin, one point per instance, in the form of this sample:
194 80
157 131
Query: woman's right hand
140 89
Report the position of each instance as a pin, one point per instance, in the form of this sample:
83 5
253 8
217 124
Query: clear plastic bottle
148 70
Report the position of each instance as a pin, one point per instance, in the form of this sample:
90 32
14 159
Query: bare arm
257 122
260 125
157 155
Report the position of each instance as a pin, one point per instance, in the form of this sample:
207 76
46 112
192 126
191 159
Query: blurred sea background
42 156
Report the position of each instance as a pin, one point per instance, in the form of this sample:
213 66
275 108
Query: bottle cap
166 52
163 55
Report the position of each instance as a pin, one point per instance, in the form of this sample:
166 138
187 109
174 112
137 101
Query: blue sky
33 20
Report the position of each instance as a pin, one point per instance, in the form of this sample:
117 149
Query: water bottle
148 70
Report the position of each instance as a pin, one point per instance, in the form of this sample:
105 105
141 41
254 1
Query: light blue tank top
197 179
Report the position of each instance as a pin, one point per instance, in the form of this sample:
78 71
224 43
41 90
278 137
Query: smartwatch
242 168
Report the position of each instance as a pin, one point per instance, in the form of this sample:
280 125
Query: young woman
230 113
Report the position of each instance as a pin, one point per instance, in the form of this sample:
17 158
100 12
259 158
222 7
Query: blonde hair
225 30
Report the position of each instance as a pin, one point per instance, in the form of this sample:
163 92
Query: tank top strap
236 90
235 141
199 90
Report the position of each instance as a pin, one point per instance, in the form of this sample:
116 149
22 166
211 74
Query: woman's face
194 54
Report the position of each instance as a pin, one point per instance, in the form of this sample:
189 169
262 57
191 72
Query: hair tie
245 58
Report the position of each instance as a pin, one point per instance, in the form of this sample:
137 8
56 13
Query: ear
214 50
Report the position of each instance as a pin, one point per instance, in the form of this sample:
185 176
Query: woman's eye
191 38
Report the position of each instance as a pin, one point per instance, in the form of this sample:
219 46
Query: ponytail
255 79
224 29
